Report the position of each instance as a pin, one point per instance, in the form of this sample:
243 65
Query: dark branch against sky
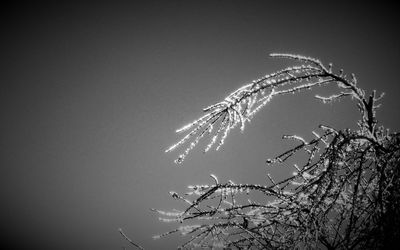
91 95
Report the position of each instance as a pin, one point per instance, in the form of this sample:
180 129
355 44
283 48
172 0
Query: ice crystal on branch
240 106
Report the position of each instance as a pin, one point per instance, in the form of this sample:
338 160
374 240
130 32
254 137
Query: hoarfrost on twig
240 106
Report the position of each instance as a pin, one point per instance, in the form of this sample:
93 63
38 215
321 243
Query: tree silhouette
343 194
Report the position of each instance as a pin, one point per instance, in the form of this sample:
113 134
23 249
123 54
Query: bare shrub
345 195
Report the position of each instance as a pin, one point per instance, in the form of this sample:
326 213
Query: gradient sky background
91 95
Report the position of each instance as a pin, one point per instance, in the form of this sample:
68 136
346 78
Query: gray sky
91 95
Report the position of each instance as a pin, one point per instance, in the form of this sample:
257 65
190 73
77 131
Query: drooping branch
240 106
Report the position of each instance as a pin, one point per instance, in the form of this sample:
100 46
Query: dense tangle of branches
344 195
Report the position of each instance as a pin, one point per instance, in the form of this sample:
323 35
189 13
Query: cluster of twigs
345 195
344 192
239 107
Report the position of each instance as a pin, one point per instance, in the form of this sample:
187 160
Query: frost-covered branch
240 106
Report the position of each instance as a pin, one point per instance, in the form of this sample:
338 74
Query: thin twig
129 240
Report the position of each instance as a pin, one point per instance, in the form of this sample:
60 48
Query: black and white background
91 94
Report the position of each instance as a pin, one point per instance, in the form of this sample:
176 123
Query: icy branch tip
215 178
